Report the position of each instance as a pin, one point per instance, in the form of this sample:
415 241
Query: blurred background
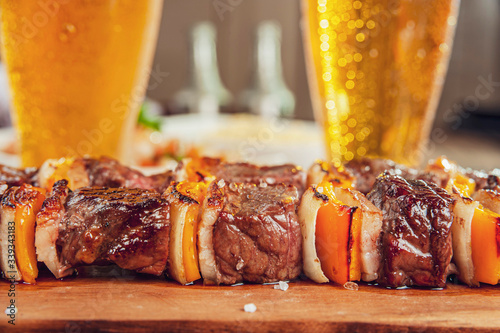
469 107
476 51
475 56
468 114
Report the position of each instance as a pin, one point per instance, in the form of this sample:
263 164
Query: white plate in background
239 137
249 138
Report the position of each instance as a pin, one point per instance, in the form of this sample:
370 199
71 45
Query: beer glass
78 72
376 70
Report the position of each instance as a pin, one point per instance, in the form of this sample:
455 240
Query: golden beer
78 71
376 70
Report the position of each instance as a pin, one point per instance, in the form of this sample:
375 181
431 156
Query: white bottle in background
268 94
205 93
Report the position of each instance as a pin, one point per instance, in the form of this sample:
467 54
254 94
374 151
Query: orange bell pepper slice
198 192
189 249
485 242
26 209
338 233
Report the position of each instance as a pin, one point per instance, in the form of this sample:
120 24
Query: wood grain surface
121 302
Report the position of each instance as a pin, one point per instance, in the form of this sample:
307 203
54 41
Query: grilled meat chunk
101 172
494 182
247 173
366 170
416 241
17 177
161 181
250 233
99 226
485 180
107 172
210 168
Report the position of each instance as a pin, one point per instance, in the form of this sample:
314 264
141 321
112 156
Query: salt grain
9 311
221 183
250 307
351 286
233 187
282 285
270 180
240 264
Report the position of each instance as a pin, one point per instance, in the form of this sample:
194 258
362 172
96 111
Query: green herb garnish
147 119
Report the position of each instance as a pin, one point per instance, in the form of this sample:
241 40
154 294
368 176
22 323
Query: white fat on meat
8 262
206 252
48 222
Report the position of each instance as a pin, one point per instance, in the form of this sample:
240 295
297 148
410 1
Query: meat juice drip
376 70
78 71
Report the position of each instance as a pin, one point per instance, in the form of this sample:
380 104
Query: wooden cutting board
119 302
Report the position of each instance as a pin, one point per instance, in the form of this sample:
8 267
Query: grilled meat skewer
249 233
128 227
